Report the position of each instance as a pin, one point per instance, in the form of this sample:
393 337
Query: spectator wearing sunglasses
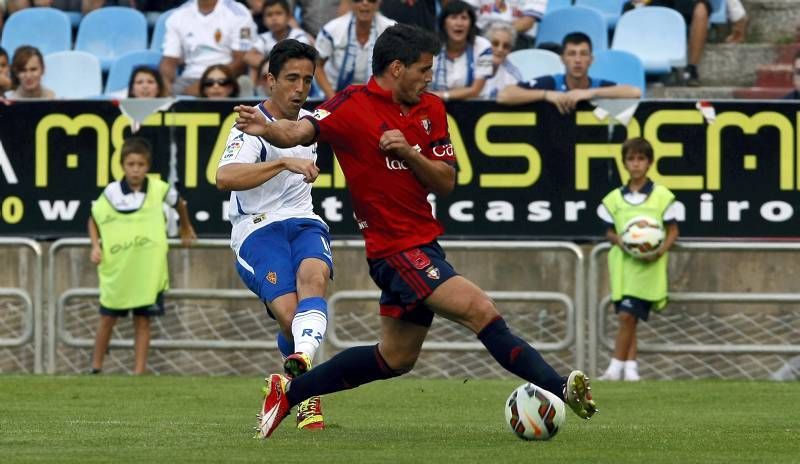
795 94
217 82
502 37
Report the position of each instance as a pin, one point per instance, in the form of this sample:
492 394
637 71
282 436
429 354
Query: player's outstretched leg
578 395
309 412
276 405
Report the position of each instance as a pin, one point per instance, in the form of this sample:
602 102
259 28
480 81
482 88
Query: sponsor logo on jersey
443 151
394 164
320 114
234 147
433 272
272 277
418 258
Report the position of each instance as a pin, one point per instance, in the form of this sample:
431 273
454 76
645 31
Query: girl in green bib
638 284
131 259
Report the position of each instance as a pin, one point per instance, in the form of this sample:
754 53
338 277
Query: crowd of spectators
214 37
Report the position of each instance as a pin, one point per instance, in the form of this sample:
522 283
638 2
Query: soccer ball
534 413
642 236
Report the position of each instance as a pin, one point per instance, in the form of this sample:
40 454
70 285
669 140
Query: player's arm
438 177
282 133
245 176
96 254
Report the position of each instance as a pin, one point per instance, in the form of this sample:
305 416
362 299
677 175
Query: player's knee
481 312
401 362
312 283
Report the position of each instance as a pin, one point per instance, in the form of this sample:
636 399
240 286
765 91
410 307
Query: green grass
192 419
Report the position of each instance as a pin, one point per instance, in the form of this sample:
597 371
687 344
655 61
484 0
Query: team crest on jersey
272 277
320 114
234 147
244 33
433 272
418 258
426 124
217 36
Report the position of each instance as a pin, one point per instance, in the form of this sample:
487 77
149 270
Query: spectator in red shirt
391 139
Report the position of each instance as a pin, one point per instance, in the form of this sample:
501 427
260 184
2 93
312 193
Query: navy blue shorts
636 306
269 257
155 309
407 278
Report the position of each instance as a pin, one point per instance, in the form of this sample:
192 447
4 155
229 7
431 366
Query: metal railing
33 304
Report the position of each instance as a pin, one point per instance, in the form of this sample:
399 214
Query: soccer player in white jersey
282 248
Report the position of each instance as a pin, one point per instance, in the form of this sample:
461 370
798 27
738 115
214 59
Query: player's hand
96 255
393 141
303 166
250 120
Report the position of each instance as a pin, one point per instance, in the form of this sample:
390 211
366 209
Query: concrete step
691 93
786 53
775 75
761 93
734 65
773 21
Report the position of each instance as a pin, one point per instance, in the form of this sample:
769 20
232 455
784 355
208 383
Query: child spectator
275 16
637 284
462 66
217 81
145 82
132 257
27 69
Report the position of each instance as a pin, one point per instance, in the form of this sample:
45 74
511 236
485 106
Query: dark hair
228 75
288 49
575 38
638 145
283 3
137 145
404 43
146 70
21 57
3 52
456 7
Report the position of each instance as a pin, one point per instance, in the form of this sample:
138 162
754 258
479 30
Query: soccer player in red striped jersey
391 139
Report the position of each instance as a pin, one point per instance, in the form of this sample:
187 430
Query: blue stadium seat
656 35
73 74
533 62
159 31
719 12
557 24
47 29
553 5
620 67
110 32
610 9
120 73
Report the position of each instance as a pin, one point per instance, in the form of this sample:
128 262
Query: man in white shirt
345 46
282 248
202 33
522 14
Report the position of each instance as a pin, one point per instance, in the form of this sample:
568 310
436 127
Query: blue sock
348 369
518 357
284 345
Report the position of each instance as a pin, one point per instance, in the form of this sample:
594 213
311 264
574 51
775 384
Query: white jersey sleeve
241 148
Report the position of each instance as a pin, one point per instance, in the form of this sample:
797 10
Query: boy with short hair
276 15
132 258
637 284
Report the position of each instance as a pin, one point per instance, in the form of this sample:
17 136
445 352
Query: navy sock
518 357
348 369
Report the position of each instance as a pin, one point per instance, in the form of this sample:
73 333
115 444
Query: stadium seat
719 12
47 29
610 9
110 32
620 67
553 5
656 35
159 30
534 62
120 72
73 74
555 25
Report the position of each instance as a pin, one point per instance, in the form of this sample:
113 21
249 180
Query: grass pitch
121 419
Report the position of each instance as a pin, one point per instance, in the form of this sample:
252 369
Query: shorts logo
433 272
418 258
272 277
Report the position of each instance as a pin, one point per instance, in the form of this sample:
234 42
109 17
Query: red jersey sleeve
439 147
331 120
